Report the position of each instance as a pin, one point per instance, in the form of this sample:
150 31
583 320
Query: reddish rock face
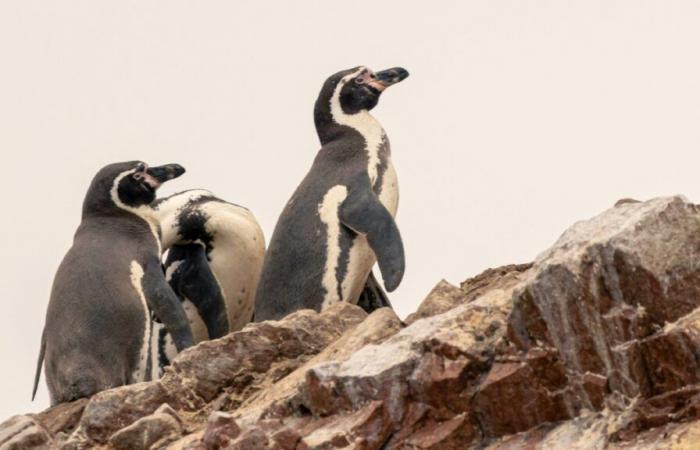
595 345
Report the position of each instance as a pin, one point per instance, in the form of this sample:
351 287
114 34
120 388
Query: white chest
389 194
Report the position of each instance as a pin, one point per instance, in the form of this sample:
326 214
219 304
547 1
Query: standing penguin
215 256
340 220
98 323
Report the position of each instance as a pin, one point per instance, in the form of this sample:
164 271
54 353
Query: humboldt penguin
99 320
215 253
340 219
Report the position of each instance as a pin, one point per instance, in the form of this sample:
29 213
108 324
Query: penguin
215 252
340 219
98 323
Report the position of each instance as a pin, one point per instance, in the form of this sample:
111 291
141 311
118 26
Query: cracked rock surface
596 345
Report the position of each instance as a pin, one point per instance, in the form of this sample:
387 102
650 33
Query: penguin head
353 91
360 88
127 185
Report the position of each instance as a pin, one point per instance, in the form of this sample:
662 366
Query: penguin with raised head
98 323
215 255
340 220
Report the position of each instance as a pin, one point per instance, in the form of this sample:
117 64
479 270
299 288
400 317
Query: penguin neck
332 124
145 212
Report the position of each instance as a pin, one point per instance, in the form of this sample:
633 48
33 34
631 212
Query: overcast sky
519 118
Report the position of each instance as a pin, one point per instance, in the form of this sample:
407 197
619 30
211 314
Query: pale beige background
519 118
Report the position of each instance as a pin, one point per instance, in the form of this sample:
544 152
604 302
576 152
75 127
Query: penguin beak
388 77
155 176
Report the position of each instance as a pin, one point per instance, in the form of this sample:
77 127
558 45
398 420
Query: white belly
236 259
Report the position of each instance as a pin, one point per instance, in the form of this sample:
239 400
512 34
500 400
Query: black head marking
359 90
126 185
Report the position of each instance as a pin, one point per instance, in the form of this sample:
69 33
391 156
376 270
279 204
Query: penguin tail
39 364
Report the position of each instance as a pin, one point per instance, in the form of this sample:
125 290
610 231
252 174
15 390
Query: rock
451 434
603 297
114 409
366 428
23 433
281 399
63 417
150 432
594 346
254 439
259 355
446 296
221 429
435 361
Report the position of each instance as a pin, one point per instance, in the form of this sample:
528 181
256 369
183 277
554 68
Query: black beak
391 76
165 172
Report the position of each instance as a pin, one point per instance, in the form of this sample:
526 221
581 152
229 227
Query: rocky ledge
596 345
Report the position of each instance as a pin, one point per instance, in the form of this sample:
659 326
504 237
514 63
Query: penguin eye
138 176
359 81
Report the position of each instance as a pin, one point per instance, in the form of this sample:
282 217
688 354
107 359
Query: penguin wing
363 213
193 279
166 306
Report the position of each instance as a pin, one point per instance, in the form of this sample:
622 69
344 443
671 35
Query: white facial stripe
363 122
136 278
328 212
144 211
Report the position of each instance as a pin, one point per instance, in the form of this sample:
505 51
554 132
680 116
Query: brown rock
254 439
150 432
281 399
451 434
608 282
221 429
456 345
23 433
365 429
63 417
596 346
446 296
511 399
243 362
110 411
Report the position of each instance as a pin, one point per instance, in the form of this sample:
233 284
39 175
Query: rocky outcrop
594 345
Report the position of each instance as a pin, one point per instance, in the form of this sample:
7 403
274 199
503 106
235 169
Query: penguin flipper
166 306
373 296
39 364
193 279
363 213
